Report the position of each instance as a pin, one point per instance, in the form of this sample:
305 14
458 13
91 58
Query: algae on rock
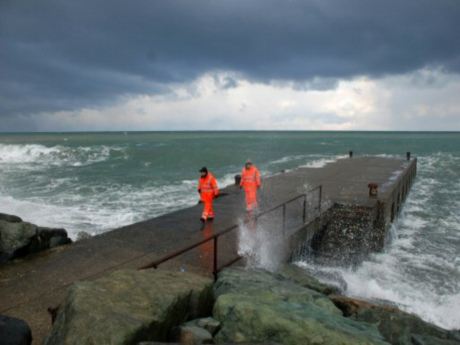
398 327
256 306
301 277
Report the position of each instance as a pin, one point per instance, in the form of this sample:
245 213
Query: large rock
193 335
18 238
398 327
10 218
257 306
301 277
209 324
127 307
14 331
198 331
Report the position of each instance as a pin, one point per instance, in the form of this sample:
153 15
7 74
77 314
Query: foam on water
106 208
286 159
321 162
28 154
419 270
41 185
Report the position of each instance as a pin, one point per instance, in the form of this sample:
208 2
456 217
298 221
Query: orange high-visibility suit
250 182
207 186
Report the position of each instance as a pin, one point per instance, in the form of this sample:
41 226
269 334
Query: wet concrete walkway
28 287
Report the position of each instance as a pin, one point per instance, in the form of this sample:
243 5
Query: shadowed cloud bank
70 55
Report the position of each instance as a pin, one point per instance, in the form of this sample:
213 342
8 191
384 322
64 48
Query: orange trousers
251 198
208 210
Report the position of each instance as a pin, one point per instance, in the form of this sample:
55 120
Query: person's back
250 178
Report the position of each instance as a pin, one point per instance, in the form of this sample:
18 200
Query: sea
95 182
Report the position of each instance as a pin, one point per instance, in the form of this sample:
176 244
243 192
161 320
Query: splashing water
261 245
420 269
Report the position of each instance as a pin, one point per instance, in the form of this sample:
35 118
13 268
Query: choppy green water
98 181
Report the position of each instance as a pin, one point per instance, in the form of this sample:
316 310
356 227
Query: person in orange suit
207 187
250 182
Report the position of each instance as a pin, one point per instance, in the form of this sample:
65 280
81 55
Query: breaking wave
98 207
39 155
419 270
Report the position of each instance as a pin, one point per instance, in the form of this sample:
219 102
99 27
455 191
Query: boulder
18 238
10 218
14 331
257 306
198 331
301 277
128 307
210 324
193 335
398 327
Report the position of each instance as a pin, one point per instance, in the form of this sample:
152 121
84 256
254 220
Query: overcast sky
229 64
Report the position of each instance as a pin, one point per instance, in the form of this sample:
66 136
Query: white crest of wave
286 159
25 153
59 155
321 162
91 218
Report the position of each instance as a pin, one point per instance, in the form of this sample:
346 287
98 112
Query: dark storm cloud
57 55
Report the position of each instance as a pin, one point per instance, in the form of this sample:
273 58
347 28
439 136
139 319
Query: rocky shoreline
19 238
244 306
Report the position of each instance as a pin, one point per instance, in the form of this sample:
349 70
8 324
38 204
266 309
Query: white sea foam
99 207
307 161
420 270
39 155
287 159
321 162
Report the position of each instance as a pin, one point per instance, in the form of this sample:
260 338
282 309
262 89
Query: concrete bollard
237 180
408 156
350 153
373 189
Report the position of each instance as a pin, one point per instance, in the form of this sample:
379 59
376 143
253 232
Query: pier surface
28 287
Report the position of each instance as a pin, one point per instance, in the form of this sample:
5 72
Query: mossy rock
397 326
130 306
257 306
301 277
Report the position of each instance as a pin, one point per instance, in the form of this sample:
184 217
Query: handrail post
215 269
304 211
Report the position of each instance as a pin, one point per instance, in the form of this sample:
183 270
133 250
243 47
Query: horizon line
228 130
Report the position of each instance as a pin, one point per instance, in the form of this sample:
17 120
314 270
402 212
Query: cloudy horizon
229 65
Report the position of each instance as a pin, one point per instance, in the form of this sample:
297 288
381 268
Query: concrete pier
28 287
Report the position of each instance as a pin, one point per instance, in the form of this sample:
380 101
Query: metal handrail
215 237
